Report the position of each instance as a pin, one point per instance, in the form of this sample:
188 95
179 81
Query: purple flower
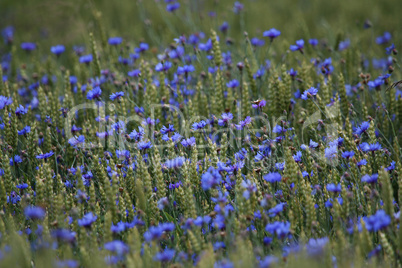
87 220
259 104
226 117
250 188
45 156
273 177
344 45
57 50
175 163
257 42
383 39
166 130
163 67
24 131
185 69
376 83
114 41
362 128
313 42
118 247
172 7
76 140
370 179
297 157
142 145
86 59
188 142
331 187
116 95
5 101
380 220
199 125
365 147
233 84
272 34
268 261
331 152
237 7
27 46
141 48
94 93
244 123
309 93
315 247
390 49
210 179
276 210
281 229
34 213
165 256
21 110
299 46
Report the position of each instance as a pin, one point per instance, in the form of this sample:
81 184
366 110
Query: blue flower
268 261
116 95
276 210
370 179
257 42
383 39
226 117
315 247
76 140
21 110
188 142
313 42
362 128
210 179
281 229
87 220
272 34
185 69
233 84
24 131
172 7
297 157
57 50
118 228
273 177
142 145
331 187
114 41
45 155
118 247
237 7
299 46
166 130
86 59
344 45
390 49
163 67
259 104
348 154
175 163
27 46
165 256
244 123
34 213
331 152
141 48
5 101
199 125
94 93
376 83
380 220
309 93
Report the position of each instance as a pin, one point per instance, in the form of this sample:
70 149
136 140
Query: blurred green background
68 22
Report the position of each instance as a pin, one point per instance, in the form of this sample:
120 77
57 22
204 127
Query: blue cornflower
87 220
362 162
313 42
210 179
24 131
21 110
279 129
45 155
259 104
162 67
237 7
277 209
233 84
244 123
17 159
5 101
224 27
185 69
331 152
344 45
292 72
272 34
299 46
34 213
380 220
94 93
383 39
281 229
118 228
331 187
116 95
257 42
172 7
137 135
273 177
250 188
365 147
118 247
13 198
163 202
114 41
362 128
391 166
175 163
390 49
166 130
141 48
199 125
57 50
188 142
348 154
76 140
134 73
315 247
64 235
28 46
376 83
142 145
297 157
226 117
370 179
21 186
309 93
86 59
165 256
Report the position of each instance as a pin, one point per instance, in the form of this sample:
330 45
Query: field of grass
200 133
